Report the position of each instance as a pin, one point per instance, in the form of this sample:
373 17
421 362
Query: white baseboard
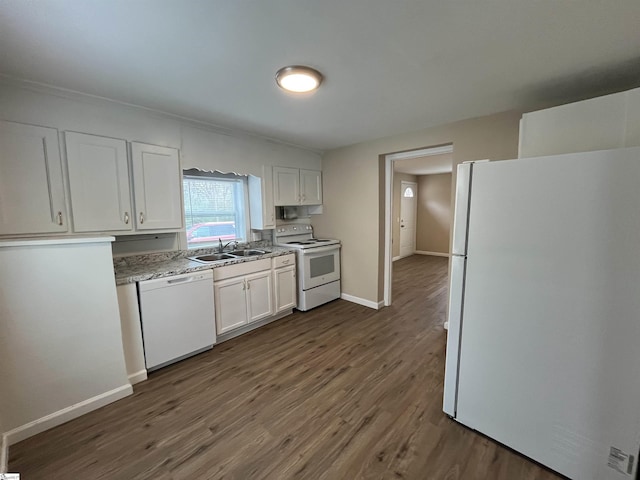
138 377
4 454
61 416
362 301
446 325
396 258
435 254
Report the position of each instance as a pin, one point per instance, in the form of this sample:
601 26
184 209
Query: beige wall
395 217
434 213
354 193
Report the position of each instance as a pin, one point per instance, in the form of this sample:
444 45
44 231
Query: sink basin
247 253
214 257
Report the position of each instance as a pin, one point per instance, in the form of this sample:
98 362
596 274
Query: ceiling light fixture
298 78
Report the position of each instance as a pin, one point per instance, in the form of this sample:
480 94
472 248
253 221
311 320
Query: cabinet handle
59 217
285 262
141 218
244 285
248 286
126 218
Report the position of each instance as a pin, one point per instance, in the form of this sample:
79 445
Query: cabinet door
98 183
261 207
157 187
259 296
632 127
285 288
31 186
311 187
286 186
268 208
231 304
594 124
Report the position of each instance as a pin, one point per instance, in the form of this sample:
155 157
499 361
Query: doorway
408 217
424 161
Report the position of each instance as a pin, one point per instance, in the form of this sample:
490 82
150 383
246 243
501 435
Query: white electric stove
318 264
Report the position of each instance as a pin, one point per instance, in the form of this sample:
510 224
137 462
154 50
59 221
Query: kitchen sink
247 253
214 257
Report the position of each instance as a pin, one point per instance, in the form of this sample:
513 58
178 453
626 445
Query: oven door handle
328 248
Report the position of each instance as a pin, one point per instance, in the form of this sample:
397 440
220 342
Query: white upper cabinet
157 187
632 130
261 206
310 187
601 123
98 183
286 186
31 184
293 186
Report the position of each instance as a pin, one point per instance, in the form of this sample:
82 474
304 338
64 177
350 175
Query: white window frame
244 217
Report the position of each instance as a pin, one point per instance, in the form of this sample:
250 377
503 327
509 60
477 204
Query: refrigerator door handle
452 360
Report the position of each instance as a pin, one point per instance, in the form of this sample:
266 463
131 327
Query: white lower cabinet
243 294
259 294
284 281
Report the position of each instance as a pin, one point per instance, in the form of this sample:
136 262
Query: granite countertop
146 267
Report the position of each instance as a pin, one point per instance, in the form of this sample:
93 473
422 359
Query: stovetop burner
311 241
300 236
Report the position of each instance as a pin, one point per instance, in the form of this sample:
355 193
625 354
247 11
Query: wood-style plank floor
340 392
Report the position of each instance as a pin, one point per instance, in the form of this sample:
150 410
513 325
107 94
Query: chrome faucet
221 247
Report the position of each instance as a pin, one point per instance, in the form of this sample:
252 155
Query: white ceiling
425 165
390 66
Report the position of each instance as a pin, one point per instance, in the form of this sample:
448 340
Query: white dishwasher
177 315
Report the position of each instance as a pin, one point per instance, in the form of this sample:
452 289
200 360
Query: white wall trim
388 206
423 152
362 301
396 258
138 377
4 454
61 416
435 254
388 233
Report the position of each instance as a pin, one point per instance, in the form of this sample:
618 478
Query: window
214 208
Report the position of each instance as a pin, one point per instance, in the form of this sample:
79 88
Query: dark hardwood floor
339 392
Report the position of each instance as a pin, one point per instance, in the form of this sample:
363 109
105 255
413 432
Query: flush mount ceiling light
298 78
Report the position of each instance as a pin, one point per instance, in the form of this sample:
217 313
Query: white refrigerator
543 348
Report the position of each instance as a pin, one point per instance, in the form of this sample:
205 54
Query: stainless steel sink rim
235 254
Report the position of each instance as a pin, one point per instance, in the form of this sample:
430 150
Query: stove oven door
319 266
